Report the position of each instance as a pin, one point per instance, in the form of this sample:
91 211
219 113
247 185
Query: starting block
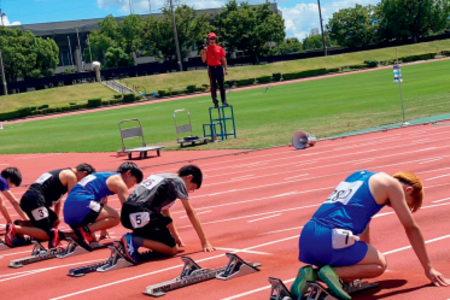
115 261
192 273
316 291
40 253
17 242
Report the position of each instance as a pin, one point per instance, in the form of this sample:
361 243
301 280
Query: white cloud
6 21
300 19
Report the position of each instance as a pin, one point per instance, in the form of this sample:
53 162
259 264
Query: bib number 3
40 213
140 219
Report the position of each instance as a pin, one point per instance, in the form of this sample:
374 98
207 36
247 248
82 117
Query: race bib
40 213
344 192
95 206
43 178
86 180
152 181
140 219
342 238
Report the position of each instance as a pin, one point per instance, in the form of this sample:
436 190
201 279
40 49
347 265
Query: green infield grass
323 107
182 80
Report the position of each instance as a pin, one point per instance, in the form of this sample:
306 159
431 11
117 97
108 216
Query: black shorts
32 201
155 230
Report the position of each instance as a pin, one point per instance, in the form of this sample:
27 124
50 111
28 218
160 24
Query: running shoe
225 103
334 283
84 237
130 248
306 273
10 233
55 239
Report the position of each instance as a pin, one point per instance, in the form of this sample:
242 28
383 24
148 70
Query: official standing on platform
214 56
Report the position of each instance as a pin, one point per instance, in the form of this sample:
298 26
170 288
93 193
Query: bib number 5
140 219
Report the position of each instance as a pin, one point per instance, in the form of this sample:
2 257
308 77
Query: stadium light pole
321 28
177 46
149 6
5 86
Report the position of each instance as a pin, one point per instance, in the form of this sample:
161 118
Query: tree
249 28
158 37
26 56
116 57
288 46
403 19
315 42
127 35
353 27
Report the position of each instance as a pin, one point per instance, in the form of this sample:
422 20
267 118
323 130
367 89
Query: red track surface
255 204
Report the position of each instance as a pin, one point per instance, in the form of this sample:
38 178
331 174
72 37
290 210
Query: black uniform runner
41 195
142 210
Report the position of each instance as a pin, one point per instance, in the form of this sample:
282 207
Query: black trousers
216 77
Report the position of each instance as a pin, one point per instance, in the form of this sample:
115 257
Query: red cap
211 35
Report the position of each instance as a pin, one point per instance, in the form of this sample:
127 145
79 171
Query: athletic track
255 203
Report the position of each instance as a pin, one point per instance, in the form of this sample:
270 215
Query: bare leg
34 232
107 218
159 247
373 265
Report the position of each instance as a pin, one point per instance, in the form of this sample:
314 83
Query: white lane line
15 253
157 272
256 220
256 215
292 279
442 200
242 250
243 201
199 213
282 230
432 178
31 272
430 161
302 175
363 161
241 177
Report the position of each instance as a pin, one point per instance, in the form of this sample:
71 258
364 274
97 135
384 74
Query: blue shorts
77 210
316 248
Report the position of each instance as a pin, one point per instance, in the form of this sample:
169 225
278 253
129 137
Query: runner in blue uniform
85 209
337 241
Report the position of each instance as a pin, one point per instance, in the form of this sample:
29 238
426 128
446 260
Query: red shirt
214 55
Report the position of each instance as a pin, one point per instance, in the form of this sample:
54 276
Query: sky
300 16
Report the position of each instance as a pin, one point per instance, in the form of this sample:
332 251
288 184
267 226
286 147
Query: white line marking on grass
256 220
282 230
158 271
242 250
442 200
199 213
292 279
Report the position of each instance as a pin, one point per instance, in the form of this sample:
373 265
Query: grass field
323 107
56 97
181 80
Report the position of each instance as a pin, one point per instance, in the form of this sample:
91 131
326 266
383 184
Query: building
71 38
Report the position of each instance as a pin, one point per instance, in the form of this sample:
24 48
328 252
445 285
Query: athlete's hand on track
104 235
437 278
208 248
179 241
